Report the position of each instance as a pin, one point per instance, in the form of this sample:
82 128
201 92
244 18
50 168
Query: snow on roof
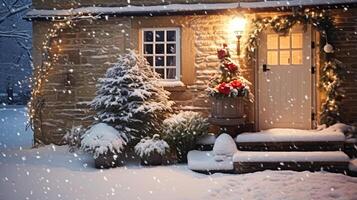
174 8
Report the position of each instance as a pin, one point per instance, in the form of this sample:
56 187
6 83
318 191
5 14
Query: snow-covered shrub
182 131
148 146
73 138
101 139
131 99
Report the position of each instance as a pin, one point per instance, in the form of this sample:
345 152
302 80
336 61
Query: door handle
265 68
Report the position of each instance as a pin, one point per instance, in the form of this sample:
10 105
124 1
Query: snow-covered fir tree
131 99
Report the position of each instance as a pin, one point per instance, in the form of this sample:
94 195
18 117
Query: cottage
180 41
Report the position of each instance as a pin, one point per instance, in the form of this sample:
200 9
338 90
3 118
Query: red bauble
231 67
224 88
222 53
237 84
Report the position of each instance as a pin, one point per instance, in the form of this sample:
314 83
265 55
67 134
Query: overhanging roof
179 8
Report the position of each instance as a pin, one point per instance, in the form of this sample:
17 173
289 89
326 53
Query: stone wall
86 51
345 41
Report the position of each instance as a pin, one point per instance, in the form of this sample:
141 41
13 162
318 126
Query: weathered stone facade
86 51
91 47
345 41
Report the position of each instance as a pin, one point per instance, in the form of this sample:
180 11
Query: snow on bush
101 139
148 146
130 97
224 145
182 131
73 138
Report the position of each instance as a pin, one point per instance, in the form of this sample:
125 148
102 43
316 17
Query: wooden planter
153 159
107 160
228 114
227 108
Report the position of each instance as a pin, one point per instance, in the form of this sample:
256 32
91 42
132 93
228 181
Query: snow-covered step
250 161
281 139
205 161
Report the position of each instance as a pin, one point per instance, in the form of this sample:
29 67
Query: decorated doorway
285 79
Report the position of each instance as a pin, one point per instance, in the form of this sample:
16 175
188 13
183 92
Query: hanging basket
227 107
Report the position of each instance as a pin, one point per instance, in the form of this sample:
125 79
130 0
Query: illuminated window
285 49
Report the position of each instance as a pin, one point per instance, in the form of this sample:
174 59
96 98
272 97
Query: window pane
171 36
170 61
171 73
285 57
159 48
284 42
159 36
160 72
148 49
272 57
296 57
159 61
171 48
148 36
150 60
272 41
296 40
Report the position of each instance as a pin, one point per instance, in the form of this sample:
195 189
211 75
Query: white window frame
165 42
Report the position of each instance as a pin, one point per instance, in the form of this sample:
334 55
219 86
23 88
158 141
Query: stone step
207 143
251 161
283 139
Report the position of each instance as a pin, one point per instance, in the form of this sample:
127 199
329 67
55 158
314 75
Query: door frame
315 65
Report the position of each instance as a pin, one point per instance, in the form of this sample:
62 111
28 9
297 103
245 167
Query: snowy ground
53 173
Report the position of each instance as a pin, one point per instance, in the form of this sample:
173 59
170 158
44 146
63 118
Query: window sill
175 86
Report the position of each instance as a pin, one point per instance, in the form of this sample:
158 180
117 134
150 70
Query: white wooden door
285 80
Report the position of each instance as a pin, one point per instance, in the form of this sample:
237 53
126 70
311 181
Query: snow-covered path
51 172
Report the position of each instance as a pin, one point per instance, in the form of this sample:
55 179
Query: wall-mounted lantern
238 26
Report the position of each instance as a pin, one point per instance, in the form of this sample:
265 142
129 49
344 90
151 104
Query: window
285 50
161 48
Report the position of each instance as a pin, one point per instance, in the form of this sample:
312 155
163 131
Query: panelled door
285 80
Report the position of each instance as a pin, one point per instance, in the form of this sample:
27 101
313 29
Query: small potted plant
105 143
152 150
228 89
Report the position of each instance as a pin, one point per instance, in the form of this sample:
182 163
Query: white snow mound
102 138
224 145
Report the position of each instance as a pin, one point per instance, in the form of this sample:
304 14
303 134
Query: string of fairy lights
332 71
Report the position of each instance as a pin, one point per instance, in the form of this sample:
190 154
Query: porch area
323 149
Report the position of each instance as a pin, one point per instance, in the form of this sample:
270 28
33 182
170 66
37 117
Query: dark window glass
170 61
159 36
171 73
150 60
159 61
171 48
160 72
148 36
148 48
159 48
171 35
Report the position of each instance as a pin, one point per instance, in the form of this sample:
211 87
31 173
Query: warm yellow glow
238 25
